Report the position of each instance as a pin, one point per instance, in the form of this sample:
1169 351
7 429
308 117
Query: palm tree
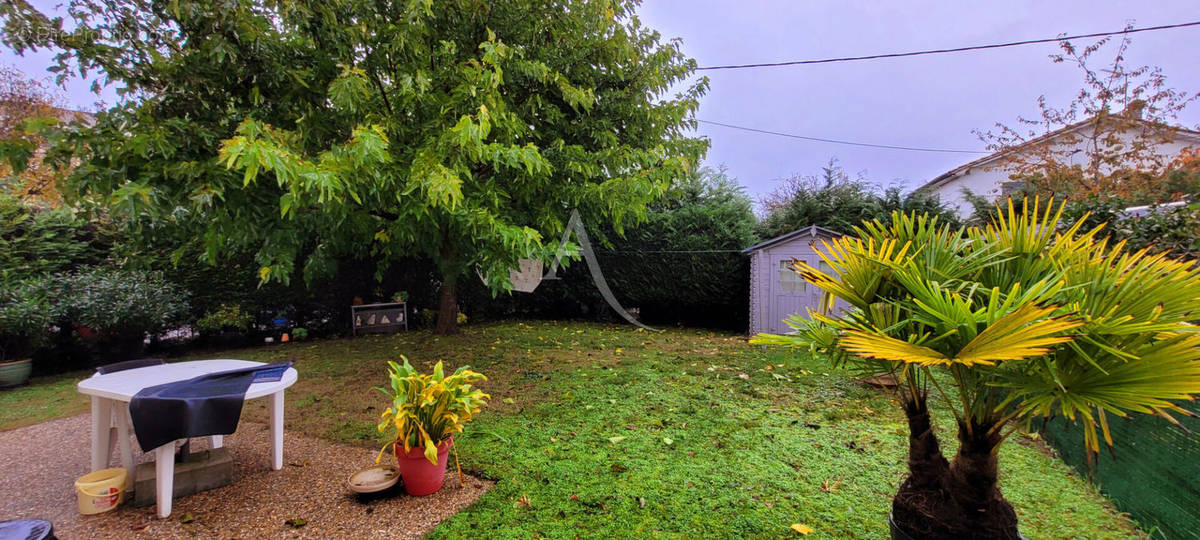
1004 324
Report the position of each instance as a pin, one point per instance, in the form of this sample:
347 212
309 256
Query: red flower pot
420 476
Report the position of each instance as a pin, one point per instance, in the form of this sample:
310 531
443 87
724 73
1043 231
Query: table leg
164 478
124 421
101 422
277 430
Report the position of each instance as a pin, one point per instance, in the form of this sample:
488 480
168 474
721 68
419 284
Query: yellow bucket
100 491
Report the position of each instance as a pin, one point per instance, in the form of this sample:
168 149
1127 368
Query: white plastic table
111 393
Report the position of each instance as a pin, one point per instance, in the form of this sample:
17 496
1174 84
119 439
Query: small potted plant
426 411
25 319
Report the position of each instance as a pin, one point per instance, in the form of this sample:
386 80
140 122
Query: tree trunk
973 486
959 500
447 321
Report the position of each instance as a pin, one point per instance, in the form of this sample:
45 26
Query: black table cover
210 404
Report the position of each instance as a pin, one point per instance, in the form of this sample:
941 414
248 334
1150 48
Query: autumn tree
27 106
1113 131
308 131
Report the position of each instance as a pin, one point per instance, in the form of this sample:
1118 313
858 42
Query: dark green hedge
1153 473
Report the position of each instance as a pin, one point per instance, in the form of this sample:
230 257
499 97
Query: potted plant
400 296
426 411
25 318
1005 323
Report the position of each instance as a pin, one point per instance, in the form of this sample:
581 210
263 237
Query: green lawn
613 432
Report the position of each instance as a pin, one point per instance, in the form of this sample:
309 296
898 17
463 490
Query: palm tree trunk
973 481
943 500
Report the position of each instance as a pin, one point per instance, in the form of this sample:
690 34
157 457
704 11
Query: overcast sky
929 101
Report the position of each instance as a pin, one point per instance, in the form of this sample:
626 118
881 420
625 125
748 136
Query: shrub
120 304
38 241
226 317
681 265
25 318
837 201
1173 229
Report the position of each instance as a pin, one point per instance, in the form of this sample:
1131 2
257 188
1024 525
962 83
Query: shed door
789 292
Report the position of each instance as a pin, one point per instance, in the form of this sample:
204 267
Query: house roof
811 230
947 176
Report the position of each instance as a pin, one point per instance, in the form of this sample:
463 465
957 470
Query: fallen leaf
187 517
296 522
523 501
139 526
574 497
830 487
508 400
615 440
743 376
668 441
618 468
802 528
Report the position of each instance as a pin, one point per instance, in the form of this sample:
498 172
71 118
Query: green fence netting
1153 474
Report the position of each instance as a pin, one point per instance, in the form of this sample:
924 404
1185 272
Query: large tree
308 131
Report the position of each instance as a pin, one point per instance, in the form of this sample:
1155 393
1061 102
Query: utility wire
835 141
952 50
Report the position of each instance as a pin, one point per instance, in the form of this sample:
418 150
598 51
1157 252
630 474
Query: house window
824 267
789 280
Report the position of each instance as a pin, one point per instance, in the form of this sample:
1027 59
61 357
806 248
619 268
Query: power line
952 50
835 141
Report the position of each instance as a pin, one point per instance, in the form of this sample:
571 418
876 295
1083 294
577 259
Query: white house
990 176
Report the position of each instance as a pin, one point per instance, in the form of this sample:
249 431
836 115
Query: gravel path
41 463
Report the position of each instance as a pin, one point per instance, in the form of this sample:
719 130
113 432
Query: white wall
987 179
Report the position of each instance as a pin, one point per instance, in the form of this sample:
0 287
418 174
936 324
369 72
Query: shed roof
811 230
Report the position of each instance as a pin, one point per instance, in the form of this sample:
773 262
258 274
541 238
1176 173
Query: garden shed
775 290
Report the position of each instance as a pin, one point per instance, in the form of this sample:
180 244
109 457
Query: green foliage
681 265
300 333
427 409
1024 320
26 313
463 132
1174 228
37 241
118 304
839 202
225 317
